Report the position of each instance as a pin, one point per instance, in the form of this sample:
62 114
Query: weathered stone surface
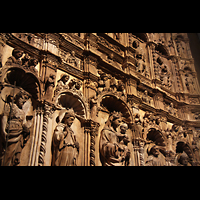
98 99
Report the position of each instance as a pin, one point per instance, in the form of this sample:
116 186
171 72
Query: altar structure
98 99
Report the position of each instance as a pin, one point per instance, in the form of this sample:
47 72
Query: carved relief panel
138 55
162 71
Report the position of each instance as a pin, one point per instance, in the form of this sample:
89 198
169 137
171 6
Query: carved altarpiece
98 99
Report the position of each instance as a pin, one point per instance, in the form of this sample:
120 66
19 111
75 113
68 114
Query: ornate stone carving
111 99
113 145
65 145
15 128
49 86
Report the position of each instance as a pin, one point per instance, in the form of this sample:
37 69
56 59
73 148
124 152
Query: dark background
195 49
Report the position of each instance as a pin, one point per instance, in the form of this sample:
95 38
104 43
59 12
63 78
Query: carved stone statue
72 59
49 86
123 142
112 153
15 128
145 97
104 82
153 159
65 145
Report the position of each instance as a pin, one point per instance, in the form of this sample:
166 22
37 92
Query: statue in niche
49 86
146 98
15 58
15 127
65 146
137 126
103 82
171 109
189 82
112 153
72 59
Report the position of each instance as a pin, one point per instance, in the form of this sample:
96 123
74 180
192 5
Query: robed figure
111 152
15 129
65 147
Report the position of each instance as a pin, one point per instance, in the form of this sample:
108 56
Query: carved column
91 127
36 132
48 111
141 153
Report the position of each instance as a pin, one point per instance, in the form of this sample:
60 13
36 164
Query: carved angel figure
65 146
16 127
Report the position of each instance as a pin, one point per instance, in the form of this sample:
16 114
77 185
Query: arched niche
110 102
156 136
142 36
16 81
19 77
71 99
181 147
107 103
68 99
162 49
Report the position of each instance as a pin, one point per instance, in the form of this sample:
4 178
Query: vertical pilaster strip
48 110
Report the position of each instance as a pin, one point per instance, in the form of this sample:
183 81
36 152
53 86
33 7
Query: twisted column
47 114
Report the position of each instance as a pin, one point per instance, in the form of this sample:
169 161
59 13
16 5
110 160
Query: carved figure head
73 53
153 150
33 62
123 128
67 116
115 119
64 78
17 53
183 160
21 98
